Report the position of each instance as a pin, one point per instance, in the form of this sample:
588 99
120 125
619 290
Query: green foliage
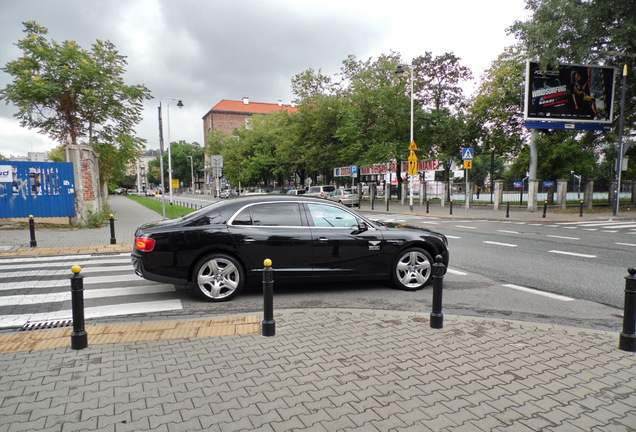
77 96
597 32
172 211
98 219
181 168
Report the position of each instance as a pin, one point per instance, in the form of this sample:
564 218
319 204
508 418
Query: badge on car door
374 245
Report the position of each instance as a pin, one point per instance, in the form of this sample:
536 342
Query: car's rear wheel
218 277
412 269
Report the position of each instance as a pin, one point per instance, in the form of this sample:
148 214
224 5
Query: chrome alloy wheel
218 278
413 269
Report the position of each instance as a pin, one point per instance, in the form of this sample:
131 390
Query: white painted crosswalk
37 289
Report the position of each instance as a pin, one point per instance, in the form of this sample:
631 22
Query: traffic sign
412 147
468 154
413 156
412 167
468 164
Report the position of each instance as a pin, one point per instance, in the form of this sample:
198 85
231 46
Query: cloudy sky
202 51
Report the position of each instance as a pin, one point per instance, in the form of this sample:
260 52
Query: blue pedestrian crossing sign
468 154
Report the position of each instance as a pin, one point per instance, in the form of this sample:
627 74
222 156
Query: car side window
270 214
328 216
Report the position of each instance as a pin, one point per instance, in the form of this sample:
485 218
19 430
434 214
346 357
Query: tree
181 168
496 112
76 96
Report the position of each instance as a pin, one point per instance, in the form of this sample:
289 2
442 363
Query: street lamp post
191 173
163 186
619 156
180 105
400 69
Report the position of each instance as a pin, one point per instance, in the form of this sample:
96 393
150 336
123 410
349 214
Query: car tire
412 269
218 277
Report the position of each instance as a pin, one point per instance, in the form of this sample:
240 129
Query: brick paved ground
332 370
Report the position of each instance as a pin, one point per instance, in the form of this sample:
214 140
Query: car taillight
322 194
145 244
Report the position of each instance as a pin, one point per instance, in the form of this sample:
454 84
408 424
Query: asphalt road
584 260
559 273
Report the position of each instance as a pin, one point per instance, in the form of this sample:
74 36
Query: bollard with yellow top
268 324
79 337
113 240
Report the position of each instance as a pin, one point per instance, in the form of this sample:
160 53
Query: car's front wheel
412 269
218 277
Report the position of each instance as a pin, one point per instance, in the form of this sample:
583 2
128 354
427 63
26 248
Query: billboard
569 93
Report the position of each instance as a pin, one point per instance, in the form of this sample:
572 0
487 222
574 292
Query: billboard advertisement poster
569 93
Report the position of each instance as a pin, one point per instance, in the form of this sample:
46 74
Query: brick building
229 115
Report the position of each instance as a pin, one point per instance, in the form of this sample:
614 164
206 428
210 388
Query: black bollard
33 242
437 317
427 206
627 339
545 208
451 206
581 209
79 337
508 209
113 240
268 324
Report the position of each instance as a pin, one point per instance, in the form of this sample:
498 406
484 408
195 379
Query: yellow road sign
412 147
413 156
413 167
468 164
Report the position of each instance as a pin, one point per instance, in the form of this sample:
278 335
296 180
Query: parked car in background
220 247
320 191
150 193
256 192
228 193
296 192
345 196
119 191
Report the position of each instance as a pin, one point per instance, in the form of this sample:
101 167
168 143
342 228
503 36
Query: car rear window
270 214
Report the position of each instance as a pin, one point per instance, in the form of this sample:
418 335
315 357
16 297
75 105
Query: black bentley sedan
216 249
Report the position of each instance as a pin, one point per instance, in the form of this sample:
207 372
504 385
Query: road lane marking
500 244
563 237
537 292
572 254
456 272
463 226
508 232
452 237
626 244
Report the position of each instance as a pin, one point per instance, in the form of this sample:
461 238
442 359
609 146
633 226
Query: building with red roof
228 115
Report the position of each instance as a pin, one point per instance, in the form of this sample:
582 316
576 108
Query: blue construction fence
41 189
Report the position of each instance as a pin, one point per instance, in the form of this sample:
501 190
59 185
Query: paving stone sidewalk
332 370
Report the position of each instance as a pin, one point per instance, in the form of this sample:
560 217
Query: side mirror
362 226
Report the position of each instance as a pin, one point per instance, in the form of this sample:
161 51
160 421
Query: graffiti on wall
43 188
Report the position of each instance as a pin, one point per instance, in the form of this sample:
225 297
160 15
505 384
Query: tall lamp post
163 186
400 70
180 105
619 155
191 173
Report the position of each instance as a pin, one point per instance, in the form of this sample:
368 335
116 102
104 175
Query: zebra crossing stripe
93 312
21 300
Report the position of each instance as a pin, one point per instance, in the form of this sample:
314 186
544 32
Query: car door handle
249 240
323 239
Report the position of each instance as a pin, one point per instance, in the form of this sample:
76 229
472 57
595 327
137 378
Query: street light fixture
179 105
191 173
400 70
